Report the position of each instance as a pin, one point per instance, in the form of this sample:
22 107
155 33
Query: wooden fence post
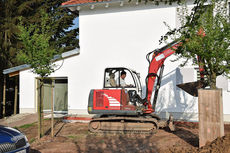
16 96
4 98
52 109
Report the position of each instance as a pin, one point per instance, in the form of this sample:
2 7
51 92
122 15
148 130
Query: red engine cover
107 99
115 99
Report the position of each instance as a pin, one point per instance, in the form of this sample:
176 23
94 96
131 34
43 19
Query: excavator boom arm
156 63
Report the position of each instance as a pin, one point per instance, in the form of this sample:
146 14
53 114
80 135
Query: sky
76 24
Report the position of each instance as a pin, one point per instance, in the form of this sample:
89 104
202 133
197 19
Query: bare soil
75 138
19 120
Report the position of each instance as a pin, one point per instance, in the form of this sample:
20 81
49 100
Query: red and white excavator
121 109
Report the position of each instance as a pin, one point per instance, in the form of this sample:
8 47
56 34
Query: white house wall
27 92
120 36
123 36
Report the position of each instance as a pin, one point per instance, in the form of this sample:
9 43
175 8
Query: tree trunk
42 115
39 109
39 112
213 81
1 92
3 65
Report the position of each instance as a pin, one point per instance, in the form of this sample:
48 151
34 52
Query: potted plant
205 37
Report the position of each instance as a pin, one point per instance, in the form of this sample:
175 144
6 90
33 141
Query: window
59 94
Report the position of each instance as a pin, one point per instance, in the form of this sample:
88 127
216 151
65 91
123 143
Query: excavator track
121 124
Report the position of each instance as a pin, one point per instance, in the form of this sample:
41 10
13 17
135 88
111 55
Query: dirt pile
219 145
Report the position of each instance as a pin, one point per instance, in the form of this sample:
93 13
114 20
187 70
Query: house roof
56 57
72 3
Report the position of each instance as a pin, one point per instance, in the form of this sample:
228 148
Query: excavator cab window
113 78
127 82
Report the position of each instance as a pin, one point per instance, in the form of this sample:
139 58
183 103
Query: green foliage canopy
37 51
63 38
206 34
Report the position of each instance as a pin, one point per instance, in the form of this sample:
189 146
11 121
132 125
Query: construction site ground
75 138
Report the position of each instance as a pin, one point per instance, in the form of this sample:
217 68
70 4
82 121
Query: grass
27 126
30 125
76 137
71 136
32 140
101 141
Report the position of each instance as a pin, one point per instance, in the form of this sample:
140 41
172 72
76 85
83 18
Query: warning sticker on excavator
159 57
112 101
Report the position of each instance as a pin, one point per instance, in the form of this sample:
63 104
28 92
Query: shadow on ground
34 151
127 143
187 136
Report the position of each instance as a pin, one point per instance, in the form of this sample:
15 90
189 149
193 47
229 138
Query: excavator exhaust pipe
192 87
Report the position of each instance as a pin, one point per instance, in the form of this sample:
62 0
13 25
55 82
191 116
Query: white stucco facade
121 36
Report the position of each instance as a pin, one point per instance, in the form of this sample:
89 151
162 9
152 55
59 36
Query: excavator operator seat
112 80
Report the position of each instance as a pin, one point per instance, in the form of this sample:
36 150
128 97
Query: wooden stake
4 98
52 109
16 96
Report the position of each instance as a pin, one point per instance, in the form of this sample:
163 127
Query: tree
63 38
38 53
62 20
206 34
8 39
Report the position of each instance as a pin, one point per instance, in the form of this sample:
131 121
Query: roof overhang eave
64 55
92 3
15 69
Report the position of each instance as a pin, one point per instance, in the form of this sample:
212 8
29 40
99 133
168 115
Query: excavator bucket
192 87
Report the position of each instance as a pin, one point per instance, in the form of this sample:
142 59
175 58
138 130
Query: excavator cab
112 79
115 98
